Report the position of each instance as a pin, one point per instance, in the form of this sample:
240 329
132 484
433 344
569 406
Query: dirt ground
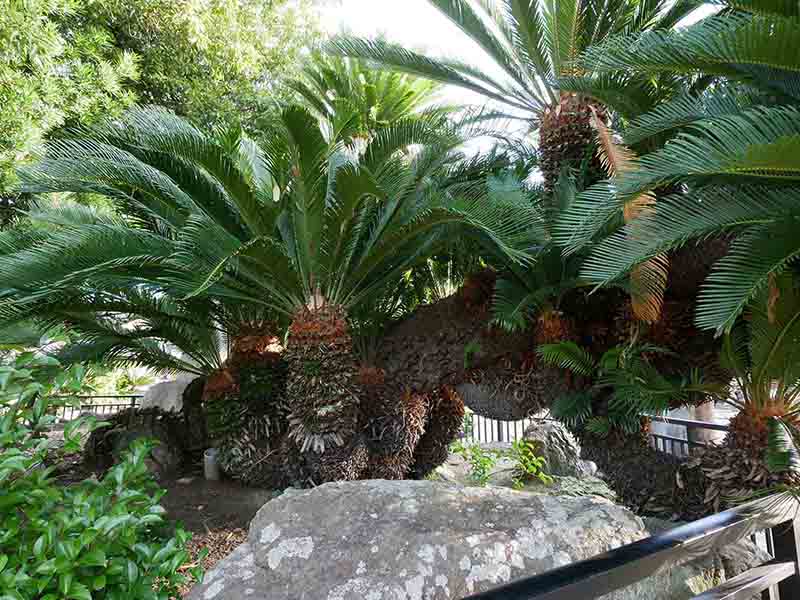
216 512
203 506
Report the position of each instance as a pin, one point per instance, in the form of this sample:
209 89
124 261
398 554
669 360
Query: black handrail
615 569
689 423
126 396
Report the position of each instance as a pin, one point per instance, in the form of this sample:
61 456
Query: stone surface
421 540
456 472
168 395
560 449
573 487
106 445
165 458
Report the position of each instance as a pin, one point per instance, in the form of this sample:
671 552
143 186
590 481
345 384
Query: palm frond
567 355
739 46
764 251
572 409
442 70
782 453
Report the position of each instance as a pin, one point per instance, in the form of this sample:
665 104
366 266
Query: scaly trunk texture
246 410
445 421
323 392
749 430
566 139
497 374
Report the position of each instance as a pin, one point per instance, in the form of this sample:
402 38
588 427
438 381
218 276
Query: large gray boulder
421 540
106 446
559 448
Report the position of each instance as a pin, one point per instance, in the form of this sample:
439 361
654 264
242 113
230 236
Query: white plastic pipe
210 465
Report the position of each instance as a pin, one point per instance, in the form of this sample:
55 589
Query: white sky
414 24
417 25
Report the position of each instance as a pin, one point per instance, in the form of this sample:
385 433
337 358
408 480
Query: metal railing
778 579
481 430
679 446
112 406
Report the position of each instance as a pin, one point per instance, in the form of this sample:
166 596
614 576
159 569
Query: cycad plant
535 43
534 295
731 163
305 229
355 101
623 385
763 353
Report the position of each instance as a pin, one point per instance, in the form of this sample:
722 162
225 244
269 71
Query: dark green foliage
573 409
620 386
520 295
103 539
730 159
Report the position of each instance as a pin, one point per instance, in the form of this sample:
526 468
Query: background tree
354 100
69 62
214 62
54 70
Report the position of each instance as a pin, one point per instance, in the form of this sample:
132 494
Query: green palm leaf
568 355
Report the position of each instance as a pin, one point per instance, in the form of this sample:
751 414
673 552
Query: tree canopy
69 62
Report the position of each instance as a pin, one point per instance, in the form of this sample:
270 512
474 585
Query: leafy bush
481 461
527 465
468 427
471 350
93 540
624 376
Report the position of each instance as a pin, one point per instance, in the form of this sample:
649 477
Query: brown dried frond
649 279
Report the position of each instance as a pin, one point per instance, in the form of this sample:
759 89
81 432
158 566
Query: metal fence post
786 542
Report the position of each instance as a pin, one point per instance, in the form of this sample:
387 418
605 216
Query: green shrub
481 461
95 540
527 465
470 351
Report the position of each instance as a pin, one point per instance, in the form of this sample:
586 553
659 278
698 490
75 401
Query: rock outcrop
559 448
167 395
393 540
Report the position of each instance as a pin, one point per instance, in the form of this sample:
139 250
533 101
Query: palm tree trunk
323 392
566 139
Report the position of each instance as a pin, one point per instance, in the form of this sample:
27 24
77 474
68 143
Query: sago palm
355 101
305 228
763 353
627 382
731 163
523 296
535 43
